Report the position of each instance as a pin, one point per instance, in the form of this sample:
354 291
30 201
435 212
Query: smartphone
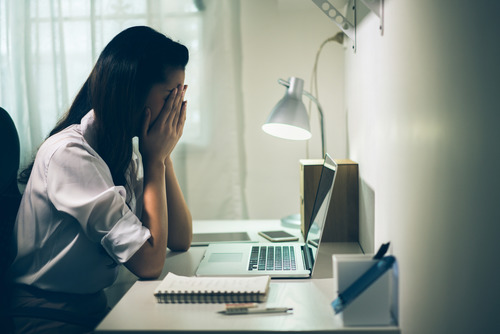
277 236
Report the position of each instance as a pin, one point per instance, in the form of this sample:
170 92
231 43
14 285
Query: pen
244 310
362 283
381 251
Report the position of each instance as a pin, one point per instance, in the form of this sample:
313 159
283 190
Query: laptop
280 260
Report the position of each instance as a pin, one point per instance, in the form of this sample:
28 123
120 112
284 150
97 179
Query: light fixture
289 118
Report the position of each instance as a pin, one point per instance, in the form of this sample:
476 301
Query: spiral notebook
183 289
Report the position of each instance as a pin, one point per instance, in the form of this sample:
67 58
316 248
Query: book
184 289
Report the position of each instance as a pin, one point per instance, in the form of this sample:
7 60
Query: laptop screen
321 205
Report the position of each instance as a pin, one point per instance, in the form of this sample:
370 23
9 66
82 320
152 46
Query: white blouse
74 225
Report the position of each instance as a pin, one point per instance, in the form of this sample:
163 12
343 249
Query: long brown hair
117 88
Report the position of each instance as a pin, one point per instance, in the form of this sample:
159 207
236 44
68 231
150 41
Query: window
62 40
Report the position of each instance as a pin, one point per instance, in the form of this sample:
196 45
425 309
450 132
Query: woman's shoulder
68 141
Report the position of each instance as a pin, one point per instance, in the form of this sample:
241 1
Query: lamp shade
289 118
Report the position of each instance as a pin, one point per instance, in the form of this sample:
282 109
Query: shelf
345 15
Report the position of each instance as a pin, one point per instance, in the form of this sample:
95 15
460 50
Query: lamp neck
296 87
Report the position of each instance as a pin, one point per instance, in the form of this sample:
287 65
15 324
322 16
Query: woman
92 202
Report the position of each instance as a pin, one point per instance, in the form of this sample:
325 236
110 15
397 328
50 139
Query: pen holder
373 306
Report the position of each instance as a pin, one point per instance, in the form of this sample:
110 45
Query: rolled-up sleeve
80 184
121 242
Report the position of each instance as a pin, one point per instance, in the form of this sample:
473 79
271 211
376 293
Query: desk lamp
289 118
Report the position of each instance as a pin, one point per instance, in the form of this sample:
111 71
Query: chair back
10 196
10 152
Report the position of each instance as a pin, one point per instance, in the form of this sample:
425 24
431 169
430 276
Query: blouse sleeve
80 184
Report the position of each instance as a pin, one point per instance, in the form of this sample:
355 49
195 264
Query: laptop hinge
308 260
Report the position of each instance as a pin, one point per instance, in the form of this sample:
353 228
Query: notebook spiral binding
208 298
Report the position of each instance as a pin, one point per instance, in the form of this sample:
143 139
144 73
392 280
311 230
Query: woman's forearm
180 228
148 261
155 210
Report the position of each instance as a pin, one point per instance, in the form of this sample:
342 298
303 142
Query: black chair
9 192
10 198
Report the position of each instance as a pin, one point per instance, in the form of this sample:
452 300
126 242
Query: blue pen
362 283
381 251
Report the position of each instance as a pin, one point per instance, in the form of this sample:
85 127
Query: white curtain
48 47
216 168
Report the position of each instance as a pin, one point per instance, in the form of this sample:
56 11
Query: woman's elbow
180 246
180 242
149 273
146 263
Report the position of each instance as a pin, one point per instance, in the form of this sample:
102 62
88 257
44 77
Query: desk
138 311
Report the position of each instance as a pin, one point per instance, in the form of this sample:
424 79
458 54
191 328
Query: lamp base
292 221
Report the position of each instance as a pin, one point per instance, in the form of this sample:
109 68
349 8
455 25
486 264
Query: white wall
280 39
423 114
423 117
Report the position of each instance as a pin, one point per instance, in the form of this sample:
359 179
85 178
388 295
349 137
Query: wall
423 115
280 39
422 122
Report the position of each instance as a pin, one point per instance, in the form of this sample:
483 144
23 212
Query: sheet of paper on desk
203 239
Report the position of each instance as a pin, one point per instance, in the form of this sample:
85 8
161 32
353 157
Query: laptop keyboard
272 258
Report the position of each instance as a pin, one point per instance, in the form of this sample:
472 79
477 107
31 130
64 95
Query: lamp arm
320 110
284 83
321 120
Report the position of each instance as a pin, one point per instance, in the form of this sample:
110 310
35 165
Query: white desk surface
139 312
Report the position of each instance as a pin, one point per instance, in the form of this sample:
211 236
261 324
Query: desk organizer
377 305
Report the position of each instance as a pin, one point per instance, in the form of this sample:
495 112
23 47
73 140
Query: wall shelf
346 18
